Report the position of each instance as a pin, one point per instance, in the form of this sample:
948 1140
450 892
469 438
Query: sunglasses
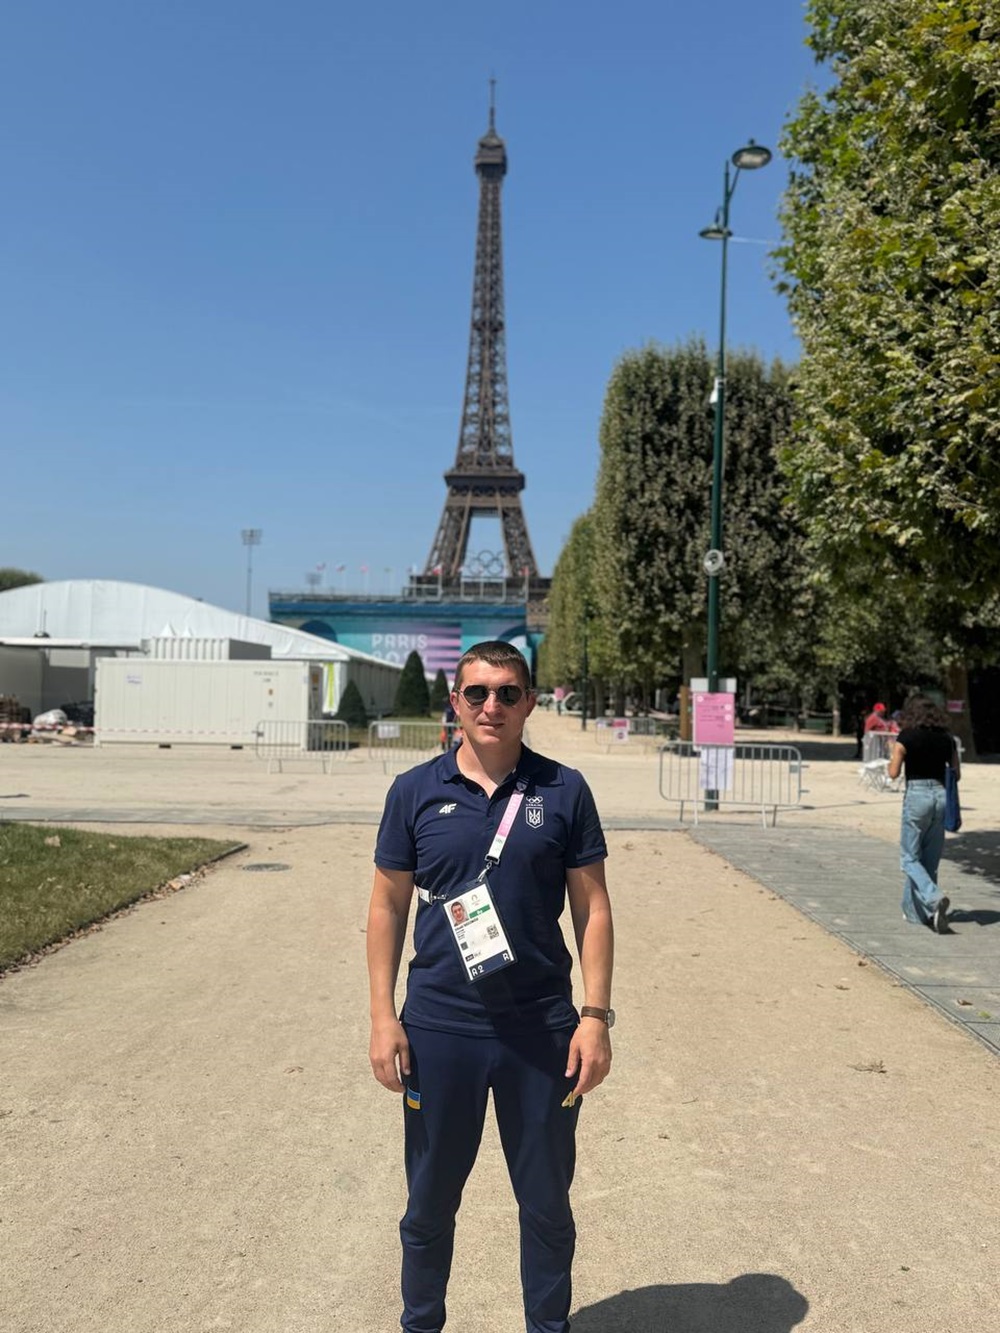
476 695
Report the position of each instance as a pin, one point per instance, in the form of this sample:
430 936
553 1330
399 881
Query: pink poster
714 719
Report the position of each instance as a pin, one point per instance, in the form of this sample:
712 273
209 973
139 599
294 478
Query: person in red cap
875 721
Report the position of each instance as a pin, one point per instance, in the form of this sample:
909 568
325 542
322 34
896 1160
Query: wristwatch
605 1015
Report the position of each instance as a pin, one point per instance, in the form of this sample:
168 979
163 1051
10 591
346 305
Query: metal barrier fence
876 745
763 777
646 732
876 751
279 741
399 745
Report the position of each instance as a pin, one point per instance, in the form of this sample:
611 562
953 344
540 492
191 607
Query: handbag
952 805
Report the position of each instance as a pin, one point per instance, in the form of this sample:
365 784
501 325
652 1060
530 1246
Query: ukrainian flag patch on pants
413 1099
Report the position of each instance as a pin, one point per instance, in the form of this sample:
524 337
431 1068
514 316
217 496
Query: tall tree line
892 270
862 490
631 575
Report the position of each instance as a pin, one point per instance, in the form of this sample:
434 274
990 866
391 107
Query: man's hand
389 1053
589 1055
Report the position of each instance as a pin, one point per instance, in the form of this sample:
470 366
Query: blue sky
237 246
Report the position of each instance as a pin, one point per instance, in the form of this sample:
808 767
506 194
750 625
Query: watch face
611 1018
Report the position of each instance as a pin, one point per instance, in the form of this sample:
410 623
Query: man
488 998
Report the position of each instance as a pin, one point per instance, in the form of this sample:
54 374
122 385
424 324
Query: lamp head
718 231
752 156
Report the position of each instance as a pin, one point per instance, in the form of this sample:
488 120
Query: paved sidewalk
848 883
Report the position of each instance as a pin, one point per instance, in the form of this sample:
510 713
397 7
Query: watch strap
590 1011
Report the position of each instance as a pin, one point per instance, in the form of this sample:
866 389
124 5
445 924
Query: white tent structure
71 623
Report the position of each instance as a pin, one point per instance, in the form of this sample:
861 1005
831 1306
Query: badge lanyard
472 915
506 824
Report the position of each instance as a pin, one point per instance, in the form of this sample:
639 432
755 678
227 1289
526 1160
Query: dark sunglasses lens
508 695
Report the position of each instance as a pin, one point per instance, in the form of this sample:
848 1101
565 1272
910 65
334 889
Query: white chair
875 776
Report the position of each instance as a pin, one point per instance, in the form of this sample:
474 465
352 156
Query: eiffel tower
484 480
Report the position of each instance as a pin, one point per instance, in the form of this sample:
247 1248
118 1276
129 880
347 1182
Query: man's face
492 723
458 912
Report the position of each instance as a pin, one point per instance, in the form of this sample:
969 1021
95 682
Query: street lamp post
749 158
251 538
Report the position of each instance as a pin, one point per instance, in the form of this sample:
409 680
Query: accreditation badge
478 931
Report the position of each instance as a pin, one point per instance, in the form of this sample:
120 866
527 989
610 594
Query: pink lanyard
506 823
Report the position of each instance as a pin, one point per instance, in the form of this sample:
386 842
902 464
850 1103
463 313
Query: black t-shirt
928 752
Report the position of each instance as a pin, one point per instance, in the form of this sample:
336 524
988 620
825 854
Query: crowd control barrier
400 744
876 751
279 741
760 777
876 745
644 733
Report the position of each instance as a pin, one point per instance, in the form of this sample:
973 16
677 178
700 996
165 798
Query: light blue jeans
921 842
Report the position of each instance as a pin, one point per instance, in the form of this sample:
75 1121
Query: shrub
440 692
412 695
352 707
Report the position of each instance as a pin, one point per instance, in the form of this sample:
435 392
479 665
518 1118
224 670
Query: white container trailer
141 700
189 648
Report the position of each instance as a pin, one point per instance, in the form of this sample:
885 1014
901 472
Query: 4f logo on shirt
448 809
534 811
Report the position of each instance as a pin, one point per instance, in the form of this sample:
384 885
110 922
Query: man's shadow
750 1303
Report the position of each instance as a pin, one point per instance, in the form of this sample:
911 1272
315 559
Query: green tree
439 692
351 708
569 599
412 695
577 644
17 578
651 517
853 643
868 634
890 266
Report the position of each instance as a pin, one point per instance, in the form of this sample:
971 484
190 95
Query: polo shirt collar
529 765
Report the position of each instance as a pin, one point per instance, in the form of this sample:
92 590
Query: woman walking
924 748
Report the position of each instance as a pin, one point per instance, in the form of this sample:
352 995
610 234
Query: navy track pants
444 1108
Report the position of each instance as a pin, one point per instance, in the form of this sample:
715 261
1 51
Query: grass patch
54 881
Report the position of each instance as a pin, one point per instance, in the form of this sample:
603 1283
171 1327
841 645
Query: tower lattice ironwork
484 480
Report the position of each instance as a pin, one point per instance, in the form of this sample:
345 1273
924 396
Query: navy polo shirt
440 824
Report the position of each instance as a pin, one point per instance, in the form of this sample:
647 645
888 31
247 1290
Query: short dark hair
920 711
496 653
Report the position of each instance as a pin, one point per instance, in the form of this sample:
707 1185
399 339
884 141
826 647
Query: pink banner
714 719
